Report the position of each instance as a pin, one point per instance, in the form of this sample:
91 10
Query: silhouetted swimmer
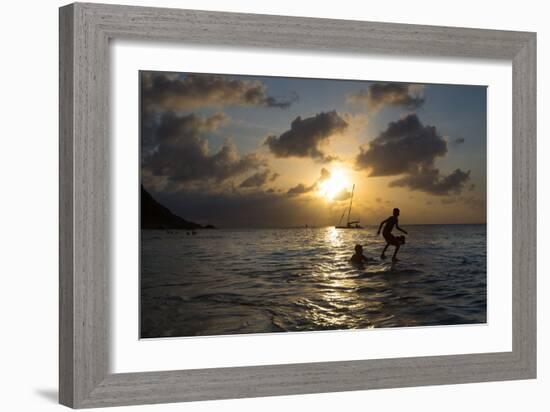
358 256
397 241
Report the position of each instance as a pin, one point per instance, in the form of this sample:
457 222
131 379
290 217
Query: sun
334 185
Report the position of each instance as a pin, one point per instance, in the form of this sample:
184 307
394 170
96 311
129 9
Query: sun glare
334 185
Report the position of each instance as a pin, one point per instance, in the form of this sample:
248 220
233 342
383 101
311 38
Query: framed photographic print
277 229
262 205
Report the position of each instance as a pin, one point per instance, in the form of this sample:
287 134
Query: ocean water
222 282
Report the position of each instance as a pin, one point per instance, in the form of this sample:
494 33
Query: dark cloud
302 188
394 94
408 147
181 153
180 130
169 91
325 174
259 179
431 181
404 146
306 136
459 140
244 209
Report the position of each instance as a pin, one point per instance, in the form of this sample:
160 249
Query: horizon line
326 226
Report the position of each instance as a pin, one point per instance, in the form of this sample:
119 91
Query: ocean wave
261 281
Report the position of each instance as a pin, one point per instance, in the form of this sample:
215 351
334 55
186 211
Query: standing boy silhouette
397 241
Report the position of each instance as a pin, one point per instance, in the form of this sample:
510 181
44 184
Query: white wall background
28 205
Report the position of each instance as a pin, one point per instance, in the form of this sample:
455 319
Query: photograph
282 204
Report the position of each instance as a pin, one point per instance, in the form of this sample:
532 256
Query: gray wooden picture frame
85 31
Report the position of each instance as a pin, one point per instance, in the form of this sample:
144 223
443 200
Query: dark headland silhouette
156 216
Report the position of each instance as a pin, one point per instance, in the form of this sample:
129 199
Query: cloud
404 146
300 188
408 147
343 194
306 136
179 130
181 153
388 94
245 208
170 91
431 181
259 179
325 174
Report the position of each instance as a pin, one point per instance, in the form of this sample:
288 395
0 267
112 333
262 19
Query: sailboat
350 224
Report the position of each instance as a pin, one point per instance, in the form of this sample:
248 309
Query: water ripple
273 280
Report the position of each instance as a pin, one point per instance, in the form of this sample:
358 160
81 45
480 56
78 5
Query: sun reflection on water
342 295
302 279
333 236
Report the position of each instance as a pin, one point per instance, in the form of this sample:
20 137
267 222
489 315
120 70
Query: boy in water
358 257
397 241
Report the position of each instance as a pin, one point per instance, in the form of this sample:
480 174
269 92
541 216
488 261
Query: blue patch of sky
457 111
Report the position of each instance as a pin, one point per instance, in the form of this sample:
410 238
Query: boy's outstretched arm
380 227
402 230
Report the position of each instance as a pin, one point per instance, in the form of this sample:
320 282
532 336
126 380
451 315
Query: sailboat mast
350 201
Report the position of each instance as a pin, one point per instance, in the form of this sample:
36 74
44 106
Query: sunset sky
250 151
